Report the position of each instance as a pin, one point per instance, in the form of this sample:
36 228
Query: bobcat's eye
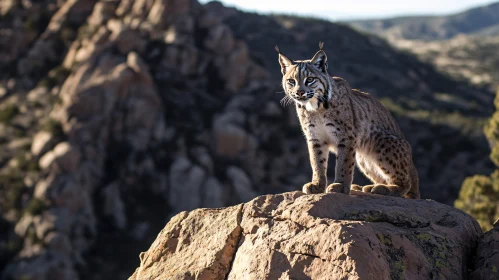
309 80
291 82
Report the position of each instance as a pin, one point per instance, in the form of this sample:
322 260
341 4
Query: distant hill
480 20
469 57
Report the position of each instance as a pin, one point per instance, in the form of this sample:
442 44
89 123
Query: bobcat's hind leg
393 161
371 171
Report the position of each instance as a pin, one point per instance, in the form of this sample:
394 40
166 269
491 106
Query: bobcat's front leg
319 153
343 175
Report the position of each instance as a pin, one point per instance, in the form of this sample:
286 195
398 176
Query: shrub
11 187
479 195
8 113
52 126
35 207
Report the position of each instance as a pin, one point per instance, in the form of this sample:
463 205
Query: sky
355 9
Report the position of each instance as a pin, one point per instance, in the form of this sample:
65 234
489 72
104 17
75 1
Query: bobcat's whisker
286 100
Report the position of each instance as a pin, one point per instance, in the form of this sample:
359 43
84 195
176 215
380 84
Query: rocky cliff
330 236
125 123
116 115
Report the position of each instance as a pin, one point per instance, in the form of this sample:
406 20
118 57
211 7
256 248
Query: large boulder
327 236
486 263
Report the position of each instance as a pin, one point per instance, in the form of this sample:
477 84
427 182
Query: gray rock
220 39
486 261
241 183
186 181
47 264
213 193
58 242
113 205
64 155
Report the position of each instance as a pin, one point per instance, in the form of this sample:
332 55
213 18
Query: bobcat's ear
284 61
320 61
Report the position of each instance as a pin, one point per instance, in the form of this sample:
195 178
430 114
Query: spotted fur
351 124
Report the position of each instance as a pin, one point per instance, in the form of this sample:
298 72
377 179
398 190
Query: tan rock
37 93
44 49
73 11
127 40
67 157
69 60
3 91
164 12
6 6
195 245
124 7
23 225
41 142
103 10
19 143
230 138
236 68
329 236
46 160
44 223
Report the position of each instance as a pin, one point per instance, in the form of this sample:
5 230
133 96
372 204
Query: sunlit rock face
330 236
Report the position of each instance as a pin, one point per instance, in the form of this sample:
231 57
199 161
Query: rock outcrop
330 236
486 263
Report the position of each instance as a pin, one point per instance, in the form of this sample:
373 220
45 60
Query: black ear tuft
277 49
321 45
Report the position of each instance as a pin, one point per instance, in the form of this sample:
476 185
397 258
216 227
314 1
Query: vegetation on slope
479 194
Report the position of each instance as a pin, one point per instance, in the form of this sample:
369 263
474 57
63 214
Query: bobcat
353 125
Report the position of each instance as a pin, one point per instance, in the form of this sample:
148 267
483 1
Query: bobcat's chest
326 130
312 105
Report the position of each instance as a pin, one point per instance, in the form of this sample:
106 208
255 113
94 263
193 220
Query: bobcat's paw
367 188
311 188
355 187
338 188
377 189
381 189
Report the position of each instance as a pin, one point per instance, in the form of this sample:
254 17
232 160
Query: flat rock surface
327 236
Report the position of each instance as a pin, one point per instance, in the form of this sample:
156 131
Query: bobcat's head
306 81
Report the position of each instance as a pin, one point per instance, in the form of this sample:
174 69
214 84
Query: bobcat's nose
300 93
